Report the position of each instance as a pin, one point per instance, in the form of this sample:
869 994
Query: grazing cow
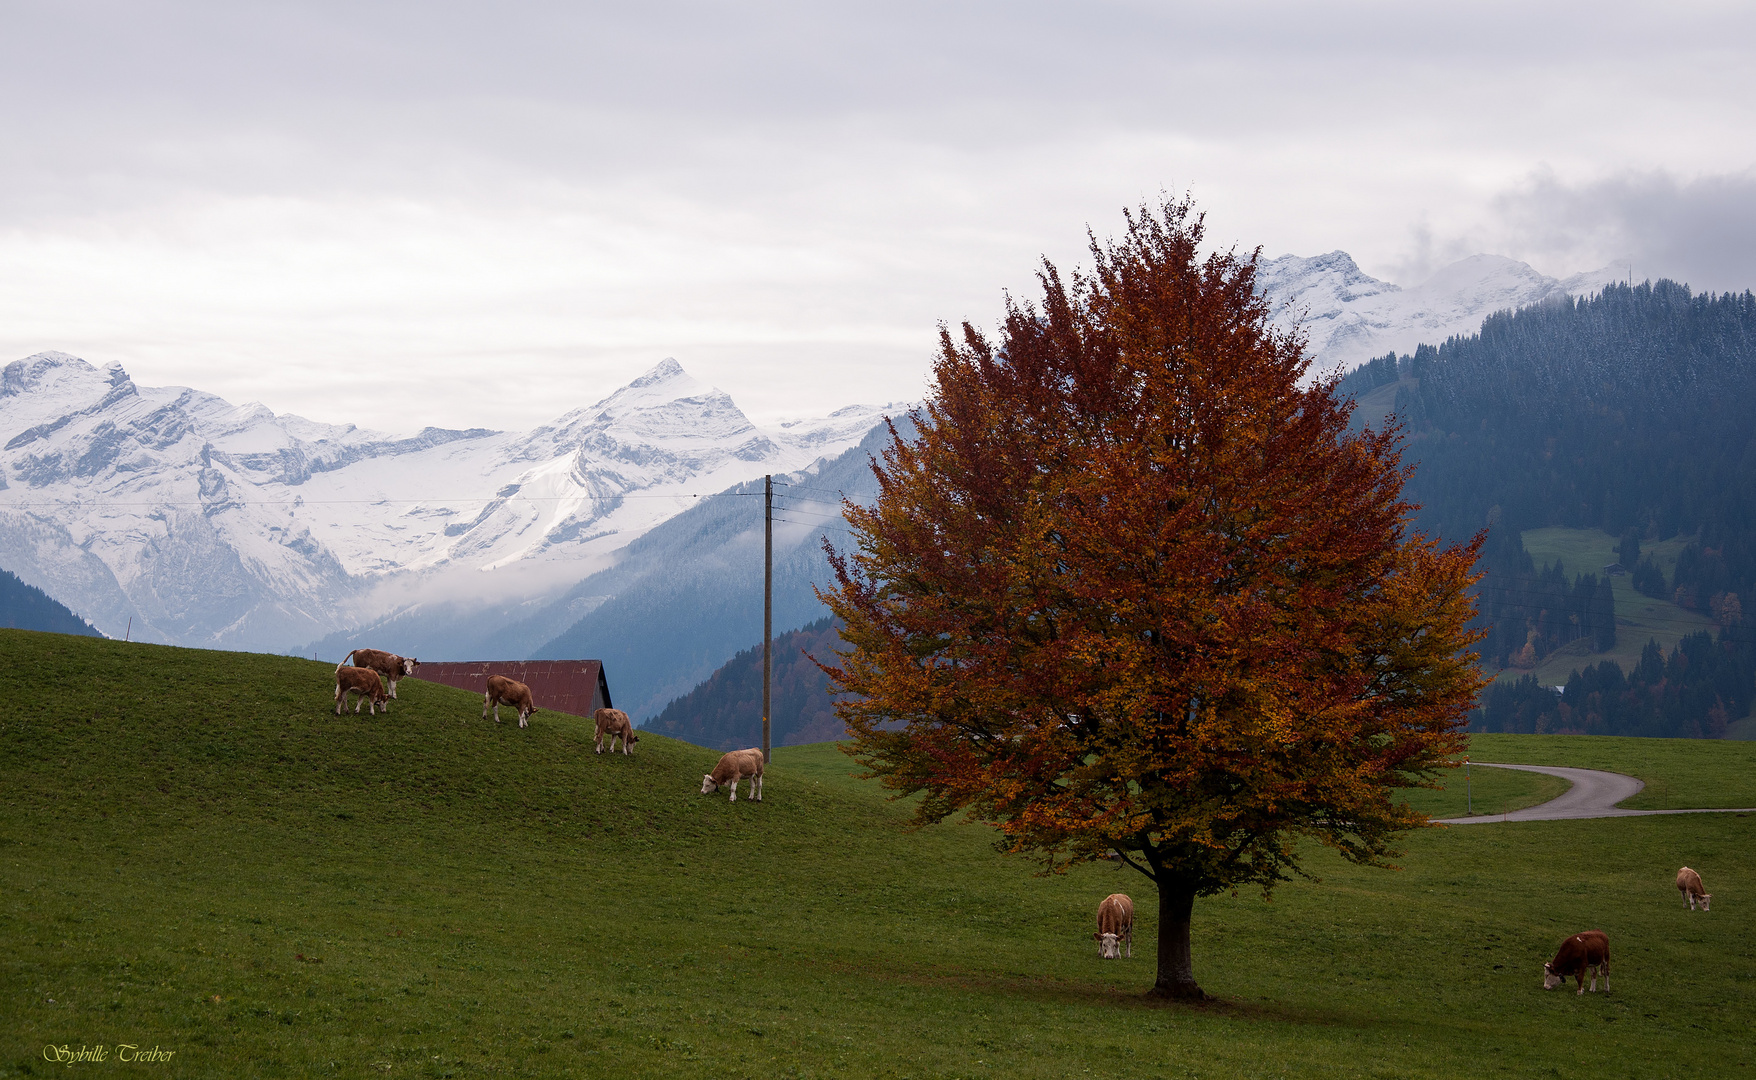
1689 884
1588 951
732 768
511 693
389 665
615 724
1115 923
362 681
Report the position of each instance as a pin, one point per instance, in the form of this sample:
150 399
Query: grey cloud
1701 231
345 88
441 188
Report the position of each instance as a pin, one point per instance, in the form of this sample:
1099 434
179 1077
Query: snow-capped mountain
1351 317
207 523
675 604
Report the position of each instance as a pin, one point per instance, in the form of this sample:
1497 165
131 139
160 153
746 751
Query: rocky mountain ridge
207 523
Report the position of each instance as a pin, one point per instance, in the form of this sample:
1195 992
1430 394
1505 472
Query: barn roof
576 687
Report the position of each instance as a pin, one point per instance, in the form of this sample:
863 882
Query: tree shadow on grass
1038 990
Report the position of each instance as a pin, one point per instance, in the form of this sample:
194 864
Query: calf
1588 951
361 681
511 693
1689 884
389 665
1115 922
614 723
732 768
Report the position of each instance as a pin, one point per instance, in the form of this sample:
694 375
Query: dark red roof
576 687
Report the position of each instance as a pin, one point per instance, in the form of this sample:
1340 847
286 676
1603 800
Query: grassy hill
1373 405
1639 618
195 853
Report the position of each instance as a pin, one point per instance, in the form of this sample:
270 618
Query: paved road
1594 794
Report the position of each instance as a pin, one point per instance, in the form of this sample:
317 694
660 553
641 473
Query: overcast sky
487 214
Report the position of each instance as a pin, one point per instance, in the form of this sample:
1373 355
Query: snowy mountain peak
1486 279
665 414
1290 277
1350 316
660 388
32 368
664 370
209 523
56 375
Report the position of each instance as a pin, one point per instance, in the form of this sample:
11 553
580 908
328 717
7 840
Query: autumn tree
1129 586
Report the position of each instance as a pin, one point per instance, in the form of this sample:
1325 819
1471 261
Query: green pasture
1680 774
1372 407
195 853
1639 618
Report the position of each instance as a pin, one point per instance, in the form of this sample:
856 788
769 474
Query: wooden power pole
767 603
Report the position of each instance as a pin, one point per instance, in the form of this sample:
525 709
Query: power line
809 524
836 493
809 513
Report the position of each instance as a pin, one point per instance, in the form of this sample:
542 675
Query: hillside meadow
1639 618
196 854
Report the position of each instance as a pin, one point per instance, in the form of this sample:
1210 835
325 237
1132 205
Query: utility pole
767 603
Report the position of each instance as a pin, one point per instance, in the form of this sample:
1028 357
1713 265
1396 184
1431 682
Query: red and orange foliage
1131 587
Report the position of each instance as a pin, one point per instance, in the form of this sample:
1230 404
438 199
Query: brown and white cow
732 768
511 693
615 724
1115 924
362 681
389 665
1689 884
1587 951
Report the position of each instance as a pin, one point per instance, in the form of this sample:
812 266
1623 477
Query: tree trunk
1176 964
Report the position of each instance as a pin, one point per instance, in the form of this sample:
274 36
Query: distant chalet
575 687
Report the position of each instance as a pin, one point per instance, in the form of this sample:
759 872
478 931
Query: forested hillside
1627 412
26 607
1696 692
1624 410
726 710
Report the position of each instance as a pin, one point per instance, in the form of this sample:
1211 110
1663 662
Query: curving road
1594 794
